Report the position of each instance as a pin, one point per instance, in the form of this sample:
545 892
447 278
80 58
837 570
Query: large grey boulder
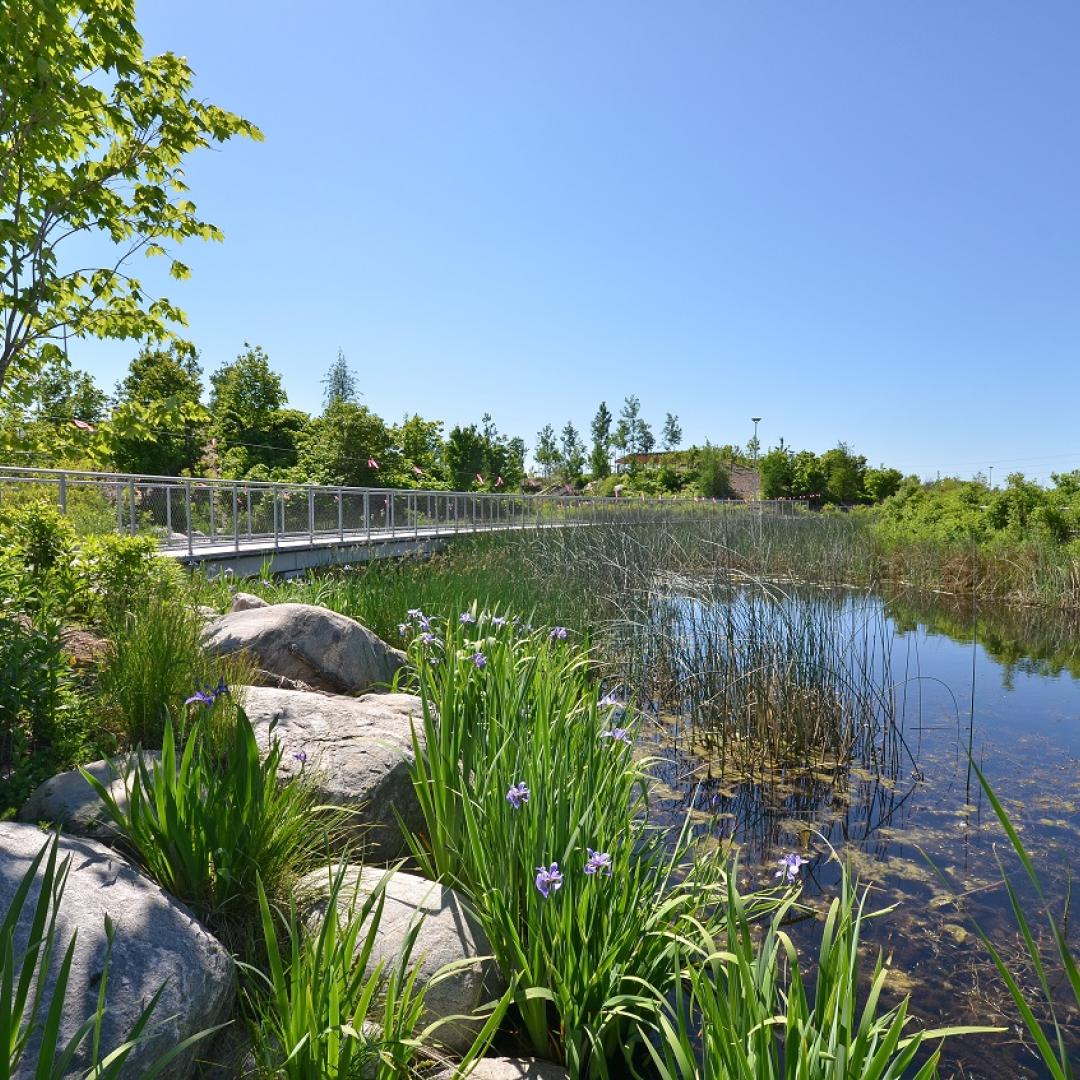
505 1068
359 751
157 942
309 644
245 601
69 801
447 935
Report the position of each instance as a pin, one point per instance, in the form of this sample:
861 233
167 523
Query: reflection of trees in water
1030 640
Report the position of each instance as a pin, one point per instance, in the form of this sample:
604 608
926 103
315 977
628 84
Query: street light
755 420
991 483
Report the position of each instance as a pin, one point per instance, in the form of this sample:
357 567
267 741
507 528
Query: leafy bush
43 714
208 823
117 573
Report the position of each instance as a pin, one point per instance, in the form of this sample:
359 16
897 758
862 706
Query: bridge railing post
187 506
236 519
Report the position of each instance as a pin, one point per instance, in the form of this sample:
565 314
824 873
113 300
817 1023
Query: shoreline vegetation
615 940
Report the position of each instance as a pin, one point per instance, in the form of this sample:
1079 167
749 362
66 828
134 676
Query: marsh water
927 686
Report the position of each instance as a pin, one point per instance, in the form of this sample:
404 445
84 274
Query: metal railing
201 516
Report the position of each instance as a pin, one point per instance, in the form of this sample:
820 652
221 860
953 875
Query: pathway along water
1005 685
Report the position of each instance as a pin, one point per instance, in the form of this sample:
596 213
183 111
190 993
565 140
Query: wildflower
372 464
598 862
617 734
265 582
498 620
609 701
480 660
789 868
228 571
558 633
403 629
208 694
466 617
517 794
548 879
301 757
427 638
414 613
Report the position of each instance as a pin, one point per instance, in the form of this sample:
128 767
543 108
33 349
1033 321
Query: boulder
505 1068
309 644
157 943
359 750
245 601
69 801
447 935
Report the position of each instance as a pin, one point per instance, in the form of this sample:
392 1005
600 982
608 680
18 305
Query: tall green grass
324 1011
764 677
211 821
742 1010
527 783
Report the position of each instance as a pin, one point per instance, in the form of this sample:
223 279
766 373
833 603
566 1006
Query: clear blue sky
857 220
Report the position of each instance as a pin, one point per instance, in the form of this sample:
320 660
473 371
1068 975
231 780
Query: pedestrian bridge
247 526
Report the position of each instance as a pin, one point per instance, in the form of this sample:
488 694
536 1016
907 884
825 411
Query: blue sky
858 221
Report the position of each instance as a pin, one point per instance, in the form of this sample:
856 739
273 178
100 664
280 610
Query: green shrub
115 574
44 723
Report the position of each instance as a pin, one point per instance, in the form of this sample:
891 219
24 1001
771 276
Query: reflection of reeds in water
762 680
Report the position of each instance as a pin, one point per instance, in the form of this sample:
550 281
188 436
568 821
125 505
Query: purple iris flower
466 617
208 694
301 757
480 660
548 879
517 794
427 638
610 701
598 862
617 734
414 613
789 868
558 633
403 629
498 620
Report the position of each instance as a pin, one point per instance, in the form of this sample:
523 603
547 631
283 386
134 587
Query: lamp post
755 420
990 484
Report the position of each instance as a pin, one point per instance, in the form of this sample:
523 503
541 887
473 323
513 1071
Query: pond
918 684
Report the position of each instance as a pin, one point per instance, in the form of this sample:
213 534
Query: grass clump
324 1009
534 808
211 820
735 1016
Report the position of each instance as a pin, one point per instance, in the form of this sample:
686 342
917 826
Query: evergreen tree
599 459
672 433
547 450
340 382
573 453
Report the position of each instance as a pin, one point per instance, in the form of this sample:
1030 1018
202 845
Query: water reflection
903 807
